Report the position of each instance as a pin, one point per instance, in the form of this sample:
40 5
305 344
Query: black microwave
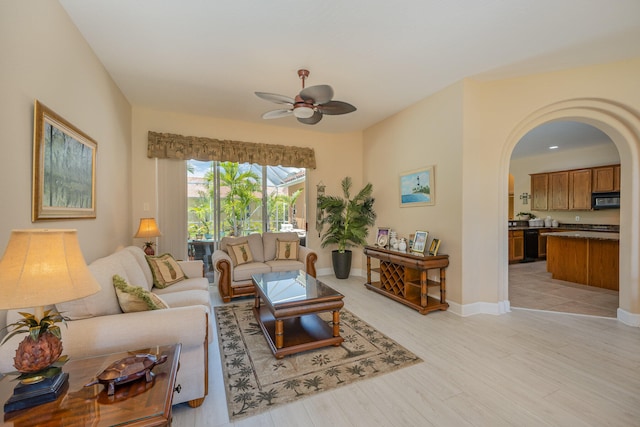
605 200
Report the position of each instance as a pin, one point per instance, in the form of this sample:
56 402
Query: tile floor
531 286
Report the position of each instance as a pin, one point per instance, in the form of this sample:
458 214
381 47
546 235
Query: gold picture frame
64 169
417 187
435 245
420 241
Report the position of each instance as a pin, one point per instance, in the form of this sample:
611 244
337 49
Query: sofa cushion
255 243
285 265
141 259
196 283
240 253
136 298
166 270
188 298
243 272
269 242
286 249
105 301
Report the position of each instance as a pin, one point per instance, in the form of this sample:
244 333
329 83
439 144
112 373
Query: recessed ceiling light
553 147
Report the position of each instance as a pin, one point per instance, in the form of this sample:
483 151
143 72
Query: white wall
44 57
428 133
473 144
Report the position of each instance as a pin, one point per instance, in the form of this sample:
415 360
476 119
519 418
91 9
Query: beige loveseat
98 325
234 277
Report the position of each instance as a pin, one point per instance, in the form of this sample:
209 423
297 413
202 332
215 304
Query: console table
137 403
403 277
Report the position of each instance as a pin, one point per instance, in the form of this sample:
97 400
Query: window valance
170 146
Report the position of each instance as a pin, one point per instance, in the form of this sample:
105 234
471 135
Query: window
232 199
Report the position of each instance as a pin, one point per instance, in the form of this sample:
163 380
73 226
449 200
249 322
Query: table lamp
148 229
39 268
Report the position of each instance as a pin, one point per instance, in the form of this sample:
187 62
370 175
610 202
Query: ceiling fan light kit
309 105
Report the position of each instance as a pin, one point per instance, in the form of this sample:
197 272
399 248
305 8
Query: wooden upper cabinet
606 178
571 189
539 192
580 189
559 190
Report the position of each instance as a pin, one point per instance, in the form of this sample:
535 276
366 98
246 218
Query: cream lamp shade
148 228
42 267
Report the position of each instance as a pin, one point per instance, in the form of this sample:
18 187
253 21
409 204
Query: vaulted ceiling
208 57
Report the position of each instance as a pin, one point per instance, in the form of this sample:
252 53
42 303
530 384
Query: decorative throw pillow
241 253
286 249
166 270
135 298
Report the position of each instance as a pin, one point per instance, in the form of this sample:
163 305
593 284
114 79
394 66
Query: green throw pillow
135 298
166 270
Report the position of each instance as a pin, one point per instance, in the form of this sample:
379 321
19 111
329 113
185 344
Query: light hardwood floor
531 286
524 368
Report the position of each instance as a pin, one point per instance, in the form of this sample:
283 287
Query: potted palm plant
348 220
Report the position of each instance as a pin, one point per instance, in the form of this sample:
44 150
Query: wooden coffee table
286 308
137 403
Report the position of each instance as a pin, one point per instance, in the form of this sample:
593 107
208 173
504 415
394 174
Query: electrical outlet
145 207
577 218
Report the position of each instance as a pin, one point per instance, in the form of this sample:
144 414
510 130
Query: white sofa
235 280
98 325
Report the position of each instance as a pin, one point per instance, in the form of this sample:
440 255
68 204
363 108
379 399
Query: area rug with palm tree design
256 381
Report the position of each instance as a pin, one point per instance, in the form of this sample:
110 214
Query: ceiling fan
309 105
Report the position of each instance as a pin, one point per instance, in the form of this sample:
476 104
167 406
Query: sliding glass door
232 199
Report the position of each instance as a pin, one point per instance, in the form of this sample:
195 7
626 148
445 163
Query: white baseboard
479 308
627 318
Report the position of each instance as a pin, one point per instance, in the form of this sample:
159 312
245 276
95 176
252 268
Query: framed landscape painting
417 187
64 169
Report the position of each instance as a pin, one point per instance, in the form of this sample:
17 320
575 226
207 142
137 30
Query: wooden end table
286 308
137 403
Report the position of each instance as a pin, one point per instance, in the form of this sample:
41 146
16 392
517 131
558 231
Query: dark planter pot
341 263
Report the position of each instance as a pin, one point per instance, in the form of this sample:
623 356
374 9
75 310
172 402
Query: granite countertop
572 227
596 235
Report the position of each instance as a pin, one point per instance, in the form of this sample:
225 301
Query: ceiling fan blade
317 116
334 108
276 114
320 94
273 97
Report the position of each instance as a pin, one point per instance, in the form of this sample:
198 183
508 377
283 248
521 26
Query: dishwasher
530 245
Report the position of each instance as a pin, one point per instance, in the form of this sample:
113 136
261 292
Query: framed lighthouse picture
417 187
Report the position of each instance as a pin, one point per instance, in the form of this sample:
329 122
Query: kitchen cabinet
580 189
606 178
542 242
594 259
571 189
516 245
559 190
539 191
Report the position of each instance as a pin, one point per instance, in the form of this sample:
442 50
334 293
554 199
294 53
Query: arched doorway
623 127
551 147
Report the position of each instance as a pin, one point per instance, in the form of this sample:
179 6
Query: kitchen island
587 257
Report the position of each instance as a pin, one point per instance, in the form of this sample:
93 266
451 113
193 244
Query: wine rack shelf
403 277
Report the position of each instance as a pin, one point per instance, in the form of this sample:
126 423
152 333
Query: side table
137 403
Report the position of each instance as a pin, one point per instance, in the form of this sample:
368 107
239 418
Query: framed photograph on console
435 245
417 187
382 237
64 169
420 241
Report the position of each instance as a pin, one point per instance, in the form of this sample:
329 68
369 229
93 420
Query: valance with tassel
171 146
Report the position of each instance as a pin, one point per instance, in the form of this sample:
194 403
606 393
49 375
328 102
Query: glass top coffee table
287 306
